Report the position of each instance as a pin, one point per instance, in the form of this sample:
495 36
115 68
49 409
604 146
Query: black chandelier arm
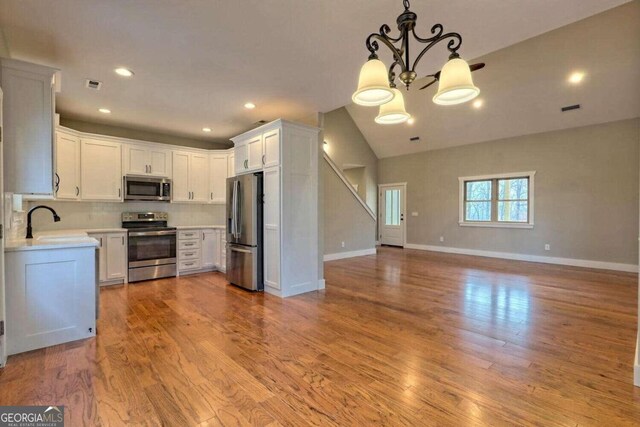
373 47
436 33
455 40
392 74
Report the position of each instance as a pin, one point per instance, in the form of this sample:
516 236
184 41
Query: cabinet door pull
263 157
122 240
149 168
211 196
119 192
77 191
57 184
100 241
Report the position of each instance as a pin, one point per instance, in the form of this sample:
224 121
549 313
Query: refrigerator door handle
237 249
238 210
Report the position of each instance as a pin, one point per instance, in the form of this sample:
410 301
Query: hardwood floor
402 338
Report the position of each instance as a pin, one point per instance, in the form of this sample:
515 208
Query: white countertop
197 227
105 230
63 239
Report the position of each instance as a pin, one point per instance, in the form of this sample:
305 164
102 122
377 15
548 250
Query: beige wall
345 220
347 146
586 192
141 135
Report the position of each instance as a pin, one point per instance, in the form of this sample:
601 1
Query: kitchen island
50 290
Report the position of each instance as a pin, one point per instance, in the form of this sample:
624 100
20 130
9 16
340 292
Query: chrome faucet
56 218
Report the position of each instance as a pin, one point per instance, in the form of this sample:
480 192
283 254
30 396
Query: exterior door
392 224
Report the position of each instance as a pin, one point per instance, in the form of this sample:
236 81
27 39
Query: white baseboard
343 255
631 268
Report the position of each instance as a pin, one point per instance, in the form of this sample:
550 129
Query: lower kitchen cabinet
200 250
112 257
51 297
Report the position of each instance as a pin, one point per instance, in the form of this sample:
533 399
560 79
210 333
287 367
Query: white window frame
496 224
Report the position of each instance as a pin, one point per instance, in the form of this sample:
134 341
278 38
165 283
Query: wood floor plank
400 338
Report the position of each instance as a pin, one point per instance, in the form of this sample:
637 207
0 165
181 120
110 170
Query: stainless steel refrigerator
244 231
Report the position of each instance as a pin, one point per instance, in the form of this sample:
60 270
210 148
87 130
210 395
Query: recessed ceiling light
250 105
576 77
478 103
104 110
411 121
124 72
206 129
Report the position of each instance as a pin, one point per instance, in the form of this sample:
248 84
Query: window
504 200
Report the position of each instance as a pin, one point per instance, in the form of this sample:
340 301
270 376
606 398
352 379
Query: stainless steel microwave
149 189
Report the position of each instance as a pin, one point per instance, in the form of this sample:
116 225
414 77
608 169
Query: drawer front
188 254
190 234
189 264
189 244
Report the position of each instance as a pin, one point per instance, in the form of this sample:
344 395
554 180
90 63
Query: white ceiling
198 62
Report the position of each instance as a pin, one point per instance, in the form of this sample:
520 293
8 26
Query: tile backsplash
86 215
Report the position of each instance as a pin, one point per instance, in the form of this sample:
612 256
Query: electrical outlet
414 213
547 247
342 244
442 238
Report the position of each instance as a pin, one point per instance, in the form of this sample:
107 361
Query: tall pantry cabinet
287 154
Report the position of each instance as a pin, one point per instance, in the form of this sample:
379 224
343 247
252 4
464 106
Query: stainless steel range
152 245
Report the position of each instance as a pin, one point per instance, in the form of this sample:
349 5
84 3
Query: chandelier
377 85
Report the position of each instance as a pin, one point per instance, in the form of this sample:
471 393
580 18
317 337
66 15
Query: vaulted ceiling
524 87
196 63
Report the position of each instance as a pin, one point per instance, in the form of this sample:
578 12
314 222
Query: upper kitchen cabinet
146 160
67 170
101 170
190 177
29 107
256 151
217 177
231 164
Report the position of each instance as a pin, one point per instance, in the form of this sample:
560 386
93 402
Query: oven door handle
151 233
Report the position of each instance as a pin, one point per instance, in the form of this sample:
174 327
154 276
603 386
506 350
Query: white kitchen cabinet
255 153
217 177
200 250
271 233
67 184
241 158
116 256
190 177
231 166
291 258
29 107
199 177
113 265
271 148
101 170
51 298
146 160
209 247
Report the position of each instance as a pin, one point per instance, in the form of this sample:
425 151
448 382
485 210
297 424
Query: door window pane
392 207
478 211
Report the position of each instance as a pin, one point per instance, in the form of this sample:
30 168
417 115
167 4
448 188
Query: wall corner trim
601 265
351 254
636 363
